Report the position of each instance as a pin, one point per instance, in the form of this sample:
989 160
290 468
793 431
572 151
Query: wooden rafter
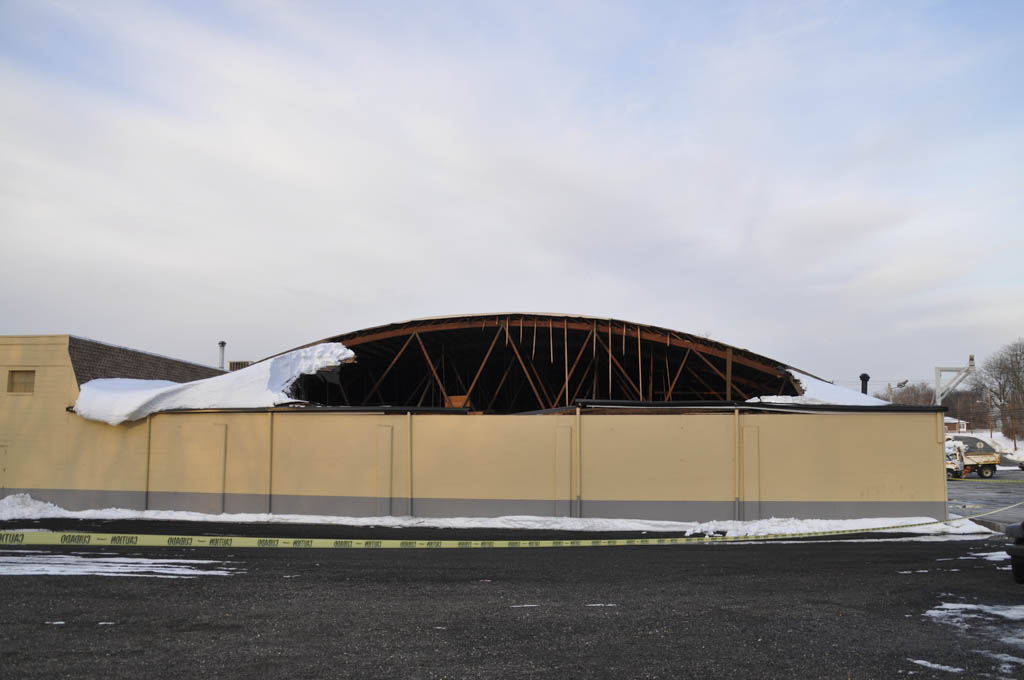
728 375
608 347
640 363
433 370
454 366
622 371
672 385
583 379
651 334
570 371
650 376
541 383
487 356
497 390
703 382
526 370
565 354
416 390
721 375
380 380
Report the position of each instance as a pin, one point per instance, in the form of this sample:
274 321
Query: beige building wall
695 466
344 464
35 421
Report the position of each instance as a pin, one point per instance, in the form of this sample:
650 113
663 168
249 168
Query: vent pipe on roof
220 364
864 378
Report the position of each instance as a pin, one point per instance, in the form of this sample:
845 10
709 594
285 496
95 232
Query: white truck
979 455
954 459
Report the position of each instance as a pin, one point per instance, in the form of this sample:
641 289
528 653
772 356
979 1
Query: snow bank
23 507
116 400
821 392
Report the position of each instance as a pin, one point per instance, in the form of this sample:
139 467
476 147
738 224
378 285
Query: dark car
1016 551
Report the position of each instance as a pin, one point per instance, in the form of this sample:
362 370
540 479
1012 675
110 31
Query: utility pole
900 385
961 373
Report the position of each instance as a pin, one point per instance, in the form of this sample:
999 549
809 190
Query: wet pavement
867 608
876 608
972 496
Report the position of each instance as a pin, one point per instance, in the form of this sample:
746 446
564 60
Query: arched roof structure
514 363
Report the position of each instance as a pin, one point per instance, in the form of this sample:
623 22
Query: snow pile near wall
821 392
24 507
116 400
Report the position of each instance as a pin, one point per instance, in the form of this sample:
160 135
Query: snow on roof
116 400
820 392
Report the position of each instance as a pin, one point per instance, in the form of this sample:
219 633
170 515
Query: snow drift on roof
821 392
116 400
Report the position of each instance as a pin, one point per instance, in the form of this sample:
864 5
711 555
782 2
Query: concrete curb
992 524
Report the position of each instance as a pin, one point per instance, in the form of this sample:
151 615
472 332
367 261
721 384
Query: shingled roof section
92 360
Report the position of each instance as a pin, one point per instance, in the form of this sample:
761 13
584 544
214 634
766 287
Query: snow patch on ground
979 617
996 556
34 563
1006 662
24 507
820 392
936 666
962 610
261 385
996 623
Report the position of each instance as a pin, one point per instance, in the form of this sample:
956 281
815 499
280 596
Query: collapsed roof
510 363
262 385
514 363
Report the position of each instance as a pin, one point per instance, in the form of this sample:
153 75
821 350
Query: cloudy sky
837 185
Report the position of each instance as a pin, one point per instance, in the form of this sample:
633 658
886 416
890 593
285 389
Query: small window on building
22 382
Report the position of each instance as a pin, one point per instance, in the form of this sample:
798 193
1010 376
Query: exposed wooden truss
512 363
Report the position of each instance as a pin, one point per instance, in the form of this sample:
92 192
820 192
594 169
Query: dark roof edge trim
755 406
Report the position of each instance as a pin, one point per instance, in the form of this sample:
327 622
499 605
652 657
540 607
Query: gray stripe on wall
481 507
680 511
247 502
344 506
209 502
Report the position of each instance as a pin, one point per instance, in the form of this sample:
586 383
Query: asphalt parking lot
972 496
819 609
866 608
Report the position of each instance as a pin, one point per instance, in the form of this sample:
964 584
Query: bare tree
970 405
1002 378
914 394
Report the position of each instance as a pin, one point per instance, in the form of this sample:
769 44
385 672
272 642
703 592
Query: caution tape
79 539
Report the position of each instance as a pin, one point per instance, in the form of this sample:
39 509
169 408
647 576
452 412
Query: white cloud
272 174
